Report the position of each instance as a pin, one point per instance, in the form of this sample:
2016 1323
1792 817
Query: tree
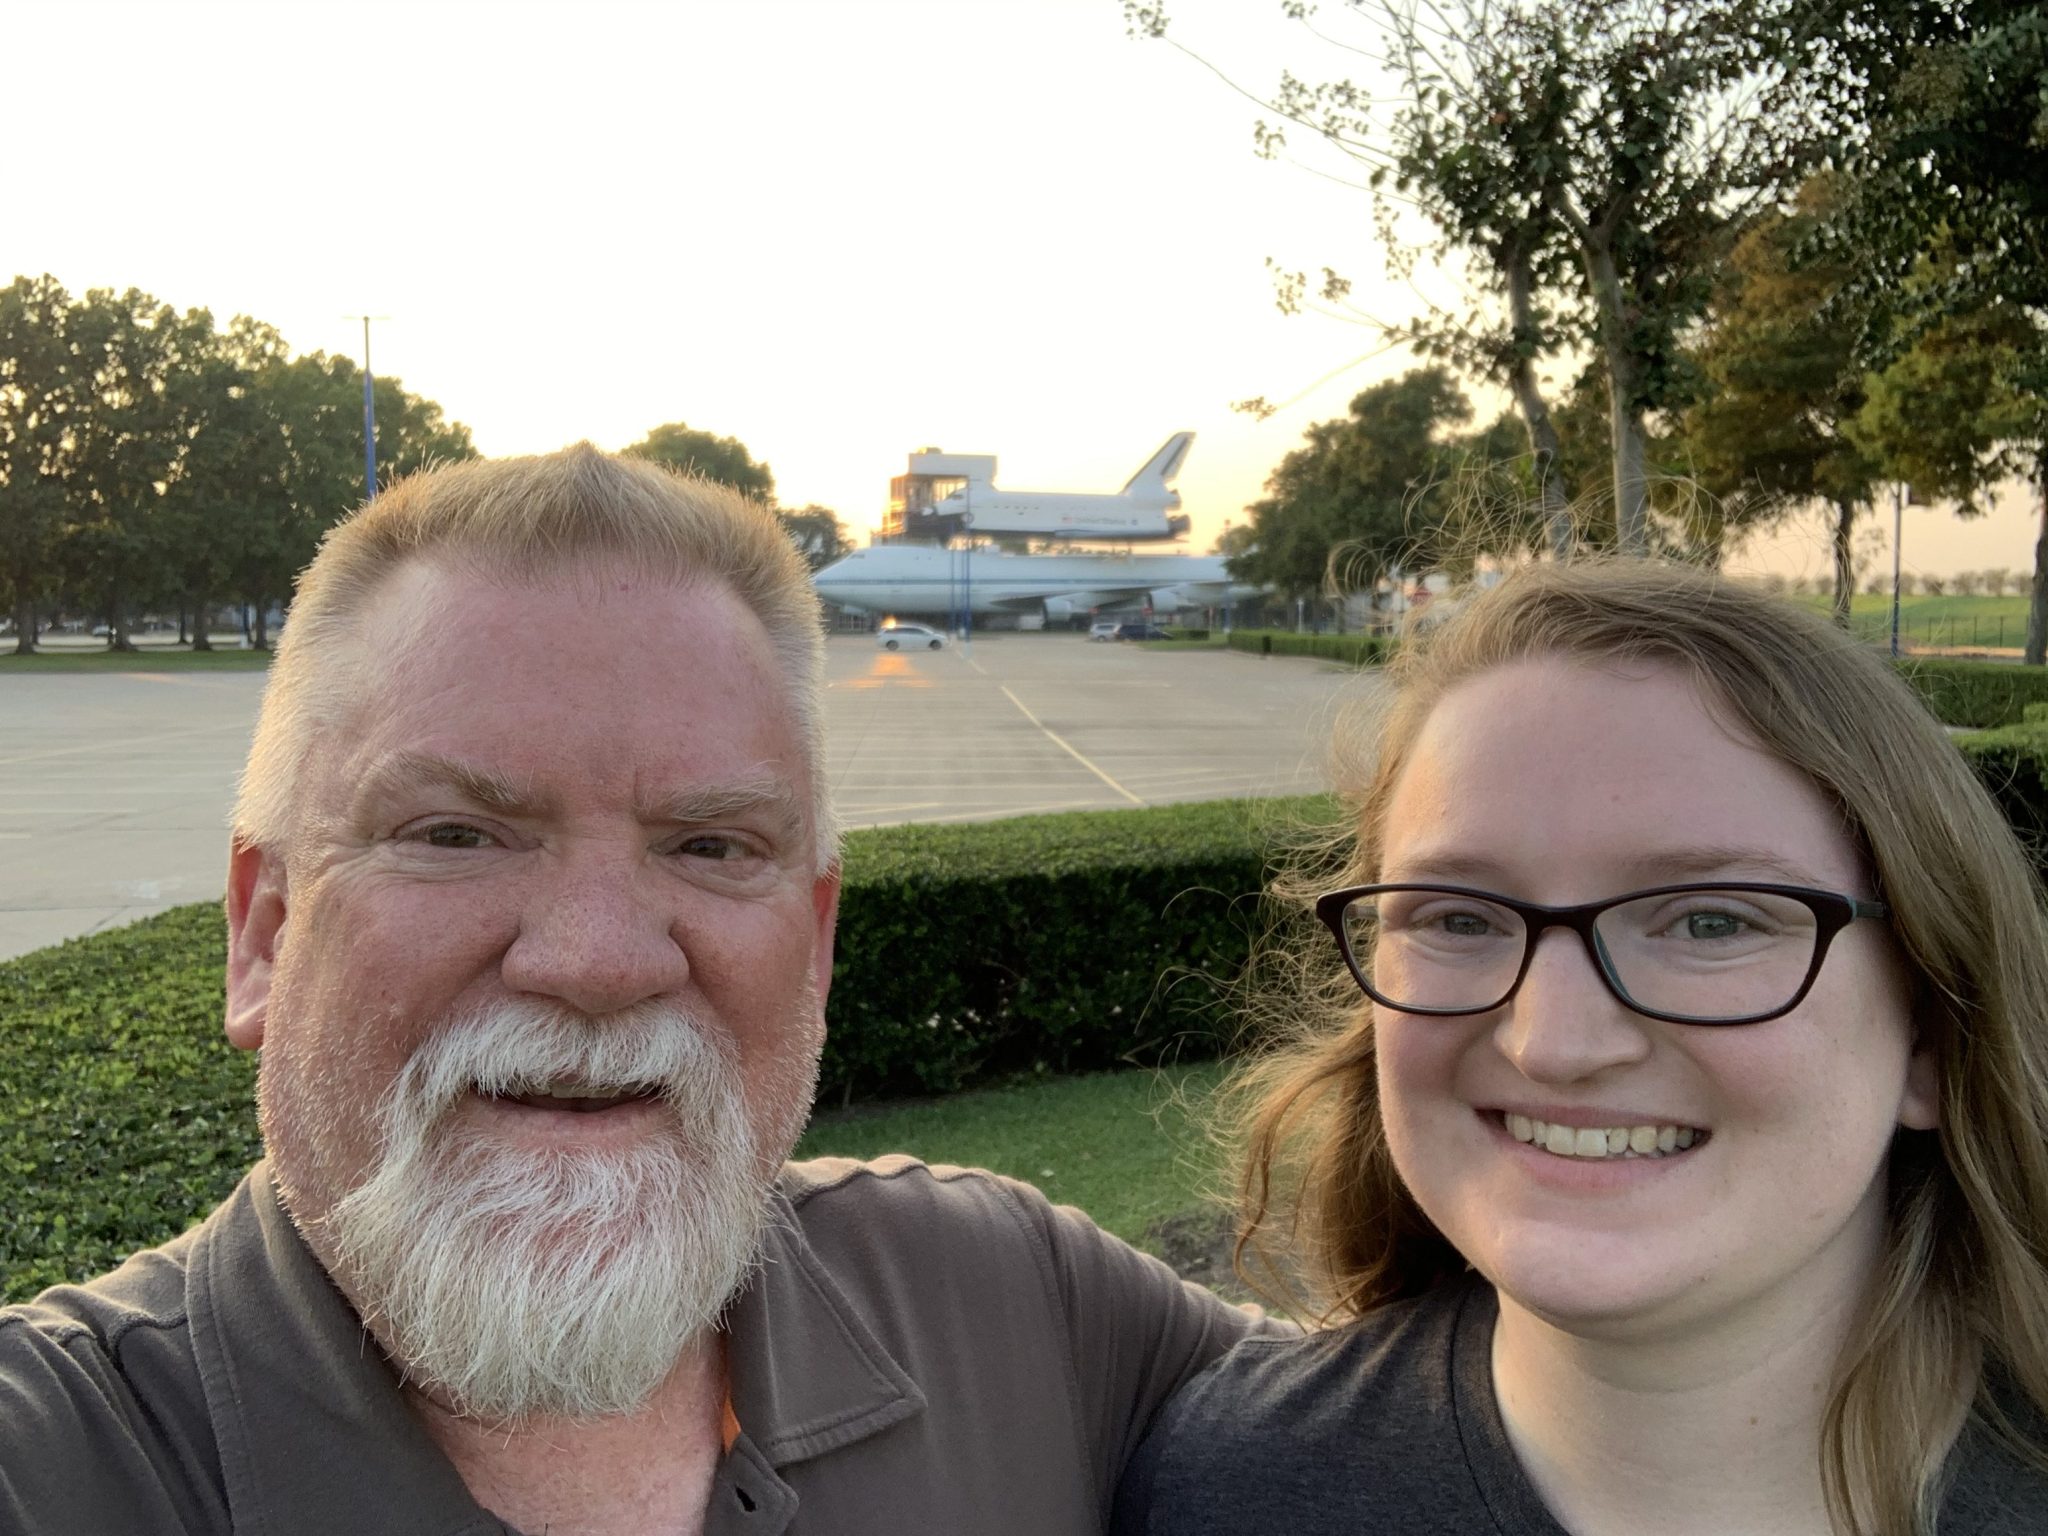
817 533
1950 216
147 457
1594 157
1775 424
724 459
42 389
308 475
1354 502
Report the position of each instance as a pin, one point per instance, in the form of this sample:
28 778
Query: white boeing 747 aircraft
927 579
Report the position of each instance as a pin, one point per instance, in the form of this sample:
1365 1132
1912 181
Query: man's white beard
563 1283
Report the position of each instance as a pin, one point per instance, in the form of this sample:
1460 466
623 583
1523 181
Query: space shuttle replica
947 495
925 560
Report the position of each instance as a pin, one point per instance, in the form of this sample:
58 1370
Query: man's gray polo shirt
923 1350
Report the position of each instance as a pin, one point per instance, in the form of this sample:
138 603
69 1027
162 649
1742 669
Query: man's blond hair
524 519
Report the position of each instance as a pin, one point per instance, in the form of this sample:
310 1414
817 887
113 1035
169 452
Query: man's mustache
527 1047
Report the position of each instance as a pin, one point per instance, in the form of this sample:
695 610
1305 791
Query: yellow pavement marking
1066 746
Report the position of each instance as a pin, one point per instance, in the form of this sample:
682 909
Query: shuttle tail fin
1162 466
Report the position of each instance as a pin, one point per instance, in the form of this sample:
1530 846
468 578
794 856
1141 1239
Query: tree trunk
1528 391
201 641
1845 567
1625 418
261 641
2037 611
24 628
184 633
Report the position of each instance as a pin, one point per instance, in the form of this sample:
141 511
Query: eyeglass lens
1705 954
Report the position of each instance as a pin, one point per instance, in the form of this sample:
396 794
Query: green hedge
965 954
2012 762
1351 650
1976 693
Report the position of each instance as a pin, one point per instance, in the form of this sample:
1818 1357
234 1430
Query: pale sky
839 230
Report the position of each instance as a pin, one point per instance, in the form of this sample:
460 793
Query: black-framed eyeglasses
1723 953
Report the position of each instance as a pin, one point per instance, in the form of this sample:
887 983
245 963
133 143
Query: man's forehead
457 659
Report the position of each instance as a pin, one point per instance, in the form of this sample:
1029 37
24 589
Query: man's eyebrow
490 791
767 795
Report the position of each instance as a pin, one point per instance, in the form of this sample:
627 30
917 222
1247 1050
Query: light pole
1902 498
369 411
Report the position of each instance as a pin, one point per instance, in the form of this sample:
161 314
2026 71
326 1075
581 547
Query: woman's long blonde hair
1961 1302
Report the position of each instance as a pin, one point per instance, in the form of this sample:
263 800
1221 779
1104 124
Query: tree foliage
149 458
1592 159
817 532
1777 422
724 459
1356 501
1947 231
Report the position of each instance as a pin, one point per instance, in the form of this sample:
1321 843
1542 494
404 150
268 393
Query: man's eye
711 846
454 834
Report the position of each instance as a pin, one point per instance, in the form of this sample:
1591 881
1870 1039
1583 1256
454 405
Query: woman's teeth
1604 1141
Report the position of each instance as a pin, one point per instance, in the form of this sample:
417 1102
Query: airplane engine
1168 600
1070 605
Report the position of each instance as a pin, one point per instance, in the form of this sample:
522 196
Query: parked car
1140 632
909 636
1103 629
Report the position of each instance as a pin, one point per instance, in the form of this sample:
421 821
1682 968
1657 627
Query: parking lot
115 788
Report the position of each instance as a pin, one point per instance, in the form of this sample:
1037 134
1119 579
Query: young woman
1665 1143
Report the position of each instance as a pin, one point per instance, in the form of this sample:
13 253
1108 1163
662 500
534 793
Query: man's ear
256 917
825 906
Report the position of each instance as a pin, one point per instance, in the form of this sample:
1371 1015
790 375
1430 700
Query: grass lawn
1942 621
1123 1146
148 659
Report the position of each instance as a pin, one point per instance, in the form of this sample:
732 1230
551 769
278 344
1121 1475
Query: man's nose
1564 1025
599 934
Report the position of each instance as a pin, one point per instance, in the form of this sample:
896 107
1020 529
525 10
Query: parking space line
1064 745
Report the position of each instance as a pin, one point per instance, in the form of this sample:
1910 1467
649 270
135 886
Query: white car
899 637
1102 629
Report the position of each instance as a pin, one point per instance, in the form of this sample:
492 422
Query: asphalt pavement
115 787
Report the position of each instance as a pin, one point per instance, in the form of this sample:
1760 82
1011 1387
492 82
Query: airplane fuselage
922 579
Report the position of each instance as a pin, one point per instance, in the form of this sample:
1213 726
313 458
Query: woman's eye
1713 925
1465 925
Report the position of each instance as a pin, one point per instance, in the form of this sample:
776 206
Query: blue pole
369 421
967 606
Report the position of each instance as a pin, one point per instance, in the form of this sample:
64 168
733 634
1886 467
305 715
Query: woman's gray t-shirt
1390 1425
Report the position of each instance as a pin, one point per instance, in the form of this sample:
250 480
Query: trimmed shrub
128 1115
1351 650
1976 693
965 953
2012 762
1044 943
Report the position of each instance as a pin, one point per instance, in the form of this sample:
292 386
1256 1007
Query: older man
531 910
